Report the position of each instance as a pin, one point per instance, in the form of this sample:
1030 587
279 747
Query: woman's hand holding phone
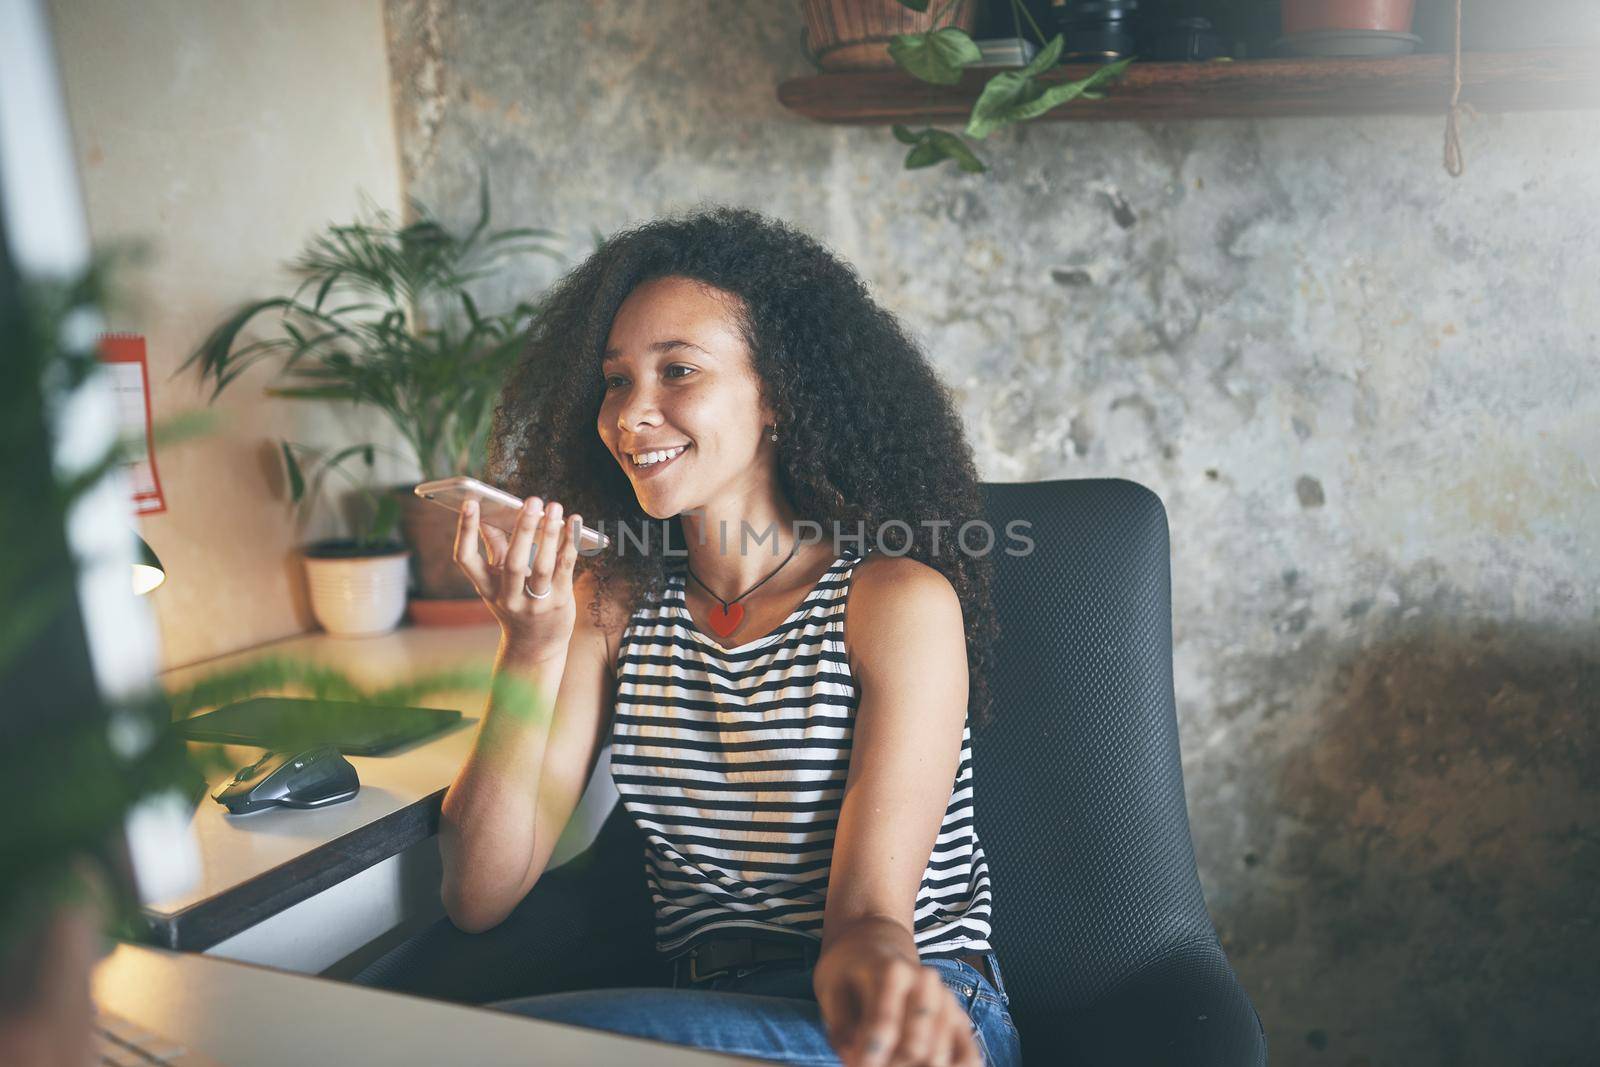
533 629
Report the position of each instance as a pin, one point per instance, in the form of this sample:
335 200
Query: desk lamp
147 570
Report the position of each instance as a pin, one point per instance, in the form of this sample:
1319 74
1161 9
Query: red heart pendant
725 620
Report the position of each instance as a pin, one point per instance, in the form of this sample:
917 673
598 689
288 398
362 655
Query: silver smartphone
496 507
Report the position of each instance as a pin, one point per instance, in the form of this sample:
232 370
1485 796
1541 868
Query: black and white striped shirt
733 762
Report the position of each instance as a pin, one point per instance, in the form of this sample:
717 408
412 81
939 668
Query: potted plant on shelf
358 583
940 53
383 318
854 34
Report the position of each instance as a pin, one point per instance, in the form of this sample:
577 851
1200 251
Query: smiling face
678 378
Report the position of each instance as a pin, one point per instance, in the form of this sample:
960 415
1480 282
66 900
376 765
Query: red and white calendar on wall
124 356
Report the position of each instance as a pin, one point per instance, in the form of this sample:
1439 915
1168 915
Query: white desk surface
244 1016
235 849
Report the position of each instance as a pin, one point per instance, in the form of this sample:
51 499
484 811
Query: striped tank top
732 762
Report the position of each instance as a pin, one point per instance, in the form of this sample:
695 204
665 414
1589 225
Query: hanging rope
1452 137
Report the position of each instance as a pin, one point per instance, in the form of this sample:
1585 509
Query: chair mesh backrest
1079 801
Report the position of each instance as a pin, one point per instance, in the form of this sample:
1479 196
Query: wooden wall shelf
1533 79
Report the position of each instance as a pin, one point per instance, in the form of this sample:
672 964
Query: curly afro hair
870 433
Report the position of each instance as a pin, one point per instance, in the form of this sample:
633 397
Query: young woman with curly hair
781 644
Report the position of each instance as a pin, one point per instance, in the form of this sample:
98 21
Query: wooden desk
302 889
248 1016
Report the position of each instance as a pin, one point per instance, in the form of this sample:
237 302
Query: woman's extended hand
534 629
882 1010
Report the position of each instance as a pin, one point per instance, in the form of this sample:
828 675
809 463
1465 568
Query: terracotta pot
855 34
1393 16
430 530
356 595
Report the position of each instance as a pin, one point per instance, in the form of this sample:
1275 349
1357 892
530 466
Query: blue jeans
767 1011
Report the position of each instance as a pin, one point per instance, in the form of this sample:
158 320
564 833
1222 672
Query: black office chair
1107 950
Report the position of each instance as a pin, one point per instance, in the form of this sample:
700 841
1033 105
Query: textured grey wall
1366 392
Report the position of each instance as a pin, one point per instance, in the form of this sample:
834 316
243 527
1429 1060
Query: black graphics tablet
291 722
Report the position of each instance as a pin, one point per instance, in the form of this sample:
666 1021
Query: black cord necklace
726 619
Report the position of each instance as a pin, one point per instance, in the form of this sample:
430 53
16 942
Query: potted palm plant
383 317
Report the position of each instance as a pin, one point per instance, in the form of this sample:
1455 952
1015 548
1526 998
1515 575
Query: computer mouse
310 778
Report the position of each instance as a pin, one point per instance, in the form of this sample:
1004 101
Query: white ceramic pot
355 596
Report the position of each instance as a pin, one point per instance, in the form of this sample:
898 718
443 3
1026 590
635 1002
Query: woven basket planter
855 34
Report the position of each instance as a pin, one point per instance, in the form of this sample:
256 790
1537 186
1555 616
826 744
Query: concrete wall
227 134
1366 392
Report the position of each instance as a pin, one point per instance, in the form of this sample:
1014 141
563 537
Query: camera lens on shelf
1095 31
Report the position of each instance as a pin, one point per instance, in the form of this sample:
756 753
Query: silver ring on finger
531 593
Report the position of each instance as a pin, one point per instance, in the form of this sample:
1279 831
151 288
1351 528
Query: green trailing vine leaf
1016 96
939 57
936 56
931 146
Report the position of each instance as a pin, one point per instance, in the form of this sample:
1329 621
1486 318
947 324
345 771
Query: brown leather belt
724 955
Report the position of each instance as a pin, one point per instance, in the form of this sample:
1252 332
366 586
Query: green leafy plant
939 55
380 511
73 778
43 349
52 346
46 858
383 317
